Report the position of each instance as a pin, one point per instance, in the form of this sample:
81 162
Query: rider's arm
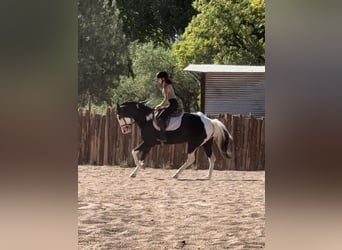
165 101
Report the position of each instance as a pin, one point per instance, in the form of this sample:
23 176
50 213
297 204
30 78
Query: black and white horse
196 129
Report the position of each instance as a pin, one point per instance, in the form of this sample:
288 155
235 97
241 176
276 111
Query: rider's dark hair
163 74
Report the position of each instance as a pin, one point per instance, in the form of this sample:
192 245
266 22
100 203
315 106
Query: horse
195 129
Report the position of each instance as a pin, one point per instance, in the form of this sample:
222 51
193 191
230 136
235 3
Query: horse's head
129 112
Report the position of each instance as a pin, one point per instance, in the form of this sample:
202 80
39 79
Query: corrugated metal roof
224 68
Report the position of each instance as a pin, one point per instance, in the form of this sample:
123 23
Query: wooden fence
102 143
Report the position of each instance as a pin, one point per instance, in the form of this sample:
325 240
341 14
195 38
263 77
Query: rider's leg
162 130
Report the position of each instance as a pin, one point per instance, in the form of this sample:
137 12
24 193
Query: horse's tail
222 137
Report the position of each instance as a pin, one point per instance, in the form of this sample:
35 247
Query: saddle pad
174 123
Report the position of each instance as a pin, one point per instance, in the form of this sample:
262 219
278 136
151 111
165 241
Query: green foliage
102 51
147 60
159 21
224 32
187 90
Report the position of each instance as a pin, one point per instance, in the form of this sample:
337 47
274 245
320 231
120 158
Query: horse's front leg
136 161
139 163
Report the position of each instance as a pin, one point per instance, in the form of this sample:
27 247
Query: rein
151 115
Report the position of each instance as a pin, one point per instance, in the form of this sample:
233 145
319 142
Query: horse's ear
117 106
140 103
143 102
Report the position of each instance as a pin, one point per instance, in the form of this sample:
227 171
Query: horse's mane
145 109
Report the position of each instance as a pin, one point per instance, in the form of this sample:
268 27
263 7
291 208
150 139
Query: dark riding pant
163 114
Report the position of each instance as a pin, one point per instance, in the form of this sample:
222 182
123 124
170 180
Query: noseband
126 124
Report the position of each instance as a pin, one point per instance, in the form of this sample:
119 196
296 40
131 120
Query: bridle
125 124
125 120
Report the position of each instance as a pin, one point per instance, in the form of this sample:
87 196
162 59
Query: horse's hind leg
189 161
191 157
211 157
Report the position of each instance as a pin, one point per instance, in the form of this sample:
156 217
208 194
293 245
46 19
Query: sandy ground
155 211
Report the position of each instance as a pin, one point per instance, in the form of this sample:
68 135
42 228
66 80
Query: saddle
173 122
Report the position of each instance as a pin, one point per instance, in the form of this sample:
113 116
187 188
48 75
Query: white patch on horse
149 117
208 126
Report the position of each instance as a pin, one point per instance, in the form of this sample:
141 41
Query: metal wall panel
235 93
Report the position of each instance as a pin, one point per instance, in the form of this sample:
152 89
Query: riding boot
162 131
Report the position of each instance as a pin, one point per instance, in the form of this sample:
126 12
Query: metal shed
233 89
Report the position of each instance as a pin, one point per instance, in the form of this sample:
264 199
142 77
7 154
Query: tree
147 60
102 51
224 32
188 91
159 21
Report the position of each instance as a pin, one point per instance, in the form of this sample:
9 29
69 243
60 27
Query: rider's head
162 74
162 77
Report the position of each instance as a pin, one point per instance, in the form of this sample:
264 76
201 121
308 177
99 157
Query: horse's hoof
142 164
207 177
133 175
175 176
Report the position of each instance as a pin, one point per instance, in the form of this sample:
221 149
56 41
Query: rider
169 103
